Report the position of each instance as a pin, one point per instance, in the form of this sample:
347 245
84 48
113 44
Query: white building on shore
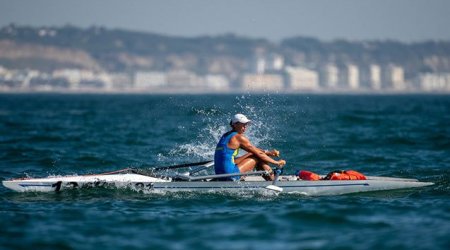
147 80
184 79
394 78
329 76
370 77
435 82
217 83
120 81
84 80
348 77
262 82
270 63
374 77
351 77
302 79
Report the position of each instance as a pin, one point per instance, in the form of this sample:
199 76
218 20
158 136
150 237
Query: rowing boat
289 184
130 178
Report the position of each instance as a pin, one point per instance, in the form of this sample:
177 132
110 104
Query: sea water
400 136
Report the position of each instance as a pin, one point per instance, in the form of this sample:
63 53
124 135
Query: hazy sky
404 20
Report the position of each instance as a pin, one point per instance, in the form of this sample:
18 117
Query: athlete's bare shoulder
241 137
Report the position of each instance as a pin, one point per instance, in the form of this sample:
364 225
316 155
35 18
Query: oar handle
278 172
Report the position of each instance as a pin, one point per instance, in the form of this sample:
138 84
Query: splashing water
260 132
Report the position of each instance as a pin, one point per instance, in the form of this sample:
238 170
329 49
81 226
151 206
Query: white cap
239 118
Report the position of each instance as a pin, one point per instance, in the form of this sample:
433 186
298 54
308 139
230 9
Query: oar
185 165
273 187
201 168
152 170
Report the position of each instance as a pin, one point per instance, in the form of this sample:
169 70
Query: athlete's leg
264 166
239 159
247 164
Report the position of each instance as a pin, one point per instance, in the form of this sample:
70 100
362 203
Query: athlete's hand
273 152
281 163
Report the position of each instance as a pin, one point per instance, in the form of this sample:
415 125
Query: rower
225 160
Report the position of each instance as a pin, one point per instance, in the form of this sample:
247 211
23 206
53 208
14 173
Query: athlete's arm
245 144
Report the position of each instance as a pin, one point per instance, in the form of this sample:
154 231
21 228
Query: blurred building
183 79
329 76
262 82
216 83
371 77
353 72
375 76
271 63
393 77
349 77
300 78
47 83
84 80
146 80
277 62
120 81
435 82
260 65
13 80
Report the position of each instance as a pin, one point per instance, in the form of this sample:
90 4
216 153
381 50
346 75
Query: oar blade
272 186
275 188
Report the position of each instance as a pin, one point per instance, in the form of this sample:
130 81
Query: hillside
98 48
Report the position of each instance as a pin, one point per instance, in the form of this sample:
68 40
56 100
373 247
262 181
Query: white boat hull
288 184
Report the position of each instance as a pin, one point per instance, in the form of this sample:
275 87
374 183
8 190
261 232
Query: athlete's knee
247 165
252 160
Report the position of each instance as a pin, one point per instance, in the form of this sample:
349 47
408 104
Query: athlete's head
239 122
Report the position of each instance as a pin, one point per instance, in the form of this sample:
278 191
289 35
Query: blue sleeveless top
224 157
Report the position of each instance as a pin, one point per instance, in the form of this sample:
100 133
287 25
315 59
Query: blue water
400 136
